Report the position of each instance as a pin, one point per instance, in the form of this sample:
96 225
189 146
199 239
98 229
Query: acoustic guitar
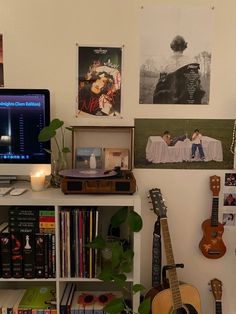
178 298
212 245
216 288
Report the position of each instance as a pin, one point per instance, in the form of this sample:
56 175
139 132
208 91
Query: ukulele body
162 302
212 245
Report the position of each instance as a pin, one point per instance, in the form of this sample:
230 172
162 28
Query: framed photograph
116 157
99 81
230 179
229 199
228 219
83 156
183 143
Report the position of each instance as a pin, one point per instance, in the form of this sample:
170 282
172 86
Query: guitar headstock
215 185
158 204
216 286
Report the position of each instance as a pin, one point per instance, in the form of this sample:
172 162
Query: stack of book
37 299
82 302
78 227
27 246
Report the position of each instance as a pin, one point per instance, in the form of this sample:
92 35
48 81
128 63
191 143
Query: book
16 254
65 297
28 240
5 244
38 297
39 255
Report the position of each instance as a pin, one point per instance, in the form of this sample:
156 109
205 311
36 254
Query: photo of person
183 143
175 64
229 199
228 219
230 179
99 85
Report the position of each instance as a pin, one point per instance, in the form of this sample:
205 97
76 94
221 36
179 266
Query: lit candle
37 181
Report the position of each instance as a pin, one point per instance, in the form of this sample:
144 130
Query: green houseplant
56 131
121 263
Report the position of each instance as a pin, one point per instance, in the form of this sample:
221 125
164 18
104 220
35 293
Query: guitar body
162 302
212 245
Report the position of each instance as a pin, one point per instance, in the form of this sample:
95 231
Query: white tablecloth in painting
157 151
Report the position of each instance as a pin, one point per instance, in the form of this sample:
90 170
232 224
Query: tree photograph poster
99 81
175 54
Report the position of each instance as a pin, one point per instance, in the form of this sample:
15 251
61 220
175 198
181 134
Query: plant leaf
119 280
66 150
46 134
137 287
119 217
97 243
56 124
117 252
106 274
144 307
114 306
135 221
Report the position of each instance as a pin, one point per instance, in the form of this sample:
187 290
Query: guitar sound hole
186 309
214 234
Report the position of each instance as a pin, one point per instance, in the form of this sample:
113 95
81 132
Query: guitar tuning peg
148 196
151 209
150 202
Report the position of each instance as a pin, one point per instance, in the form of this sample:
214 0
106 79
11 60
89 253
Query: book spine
28 255
6 255
16 255
46 256
39 255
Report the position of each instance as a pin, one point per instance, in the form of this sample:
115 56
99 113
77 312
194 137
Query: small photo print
117 157
230 179
228 219
83 156
229 199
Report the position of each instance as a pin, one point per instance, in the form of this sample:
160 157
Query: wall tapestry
183 143
175 54
99 81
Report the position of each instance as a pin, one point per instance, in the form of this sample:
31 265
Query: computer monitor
23 113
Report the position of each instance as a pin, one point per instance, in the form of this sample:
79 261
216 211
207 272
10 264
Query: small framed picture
228 219
83 156
229 199
116 157
230 179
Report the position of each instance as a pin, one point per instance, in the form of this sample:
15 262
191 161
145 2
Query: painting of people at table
99 84
183 143
176 56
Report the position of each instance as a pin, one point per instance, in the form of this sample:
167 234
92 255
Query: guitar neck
214 212
173 278
218 307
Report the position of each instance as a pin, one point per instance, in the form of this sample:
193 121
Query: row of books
27 243
33 300
78 227
81 302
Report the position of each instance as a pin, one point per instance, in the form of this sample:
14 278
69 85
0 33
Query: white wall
40 51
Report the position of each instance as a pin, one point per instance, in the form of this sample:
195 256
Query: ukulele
212 245
178 298
216 287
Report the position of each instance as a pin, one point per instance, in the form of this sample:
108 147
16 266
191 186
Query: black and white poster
175 54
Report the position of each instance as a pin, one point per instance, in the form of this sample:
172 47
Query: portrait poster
1 61
183 143
175 54
99 81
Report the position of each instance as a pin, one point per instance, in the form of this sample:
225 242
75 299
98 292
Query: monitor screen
23 113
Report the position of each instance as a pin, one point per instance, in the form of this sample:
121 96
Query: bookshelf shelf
58 201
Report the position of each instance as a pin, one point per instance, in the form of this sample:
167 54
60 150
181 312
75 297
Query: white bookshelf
55 198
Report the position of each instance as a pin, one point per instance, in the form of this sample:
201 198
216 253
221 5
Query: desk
157 151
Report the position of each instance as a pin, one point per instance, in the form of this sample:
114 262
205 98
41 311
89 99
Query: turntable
97 181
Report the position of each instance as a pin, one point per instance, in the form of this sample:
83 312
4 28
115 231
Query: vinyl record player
97 181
